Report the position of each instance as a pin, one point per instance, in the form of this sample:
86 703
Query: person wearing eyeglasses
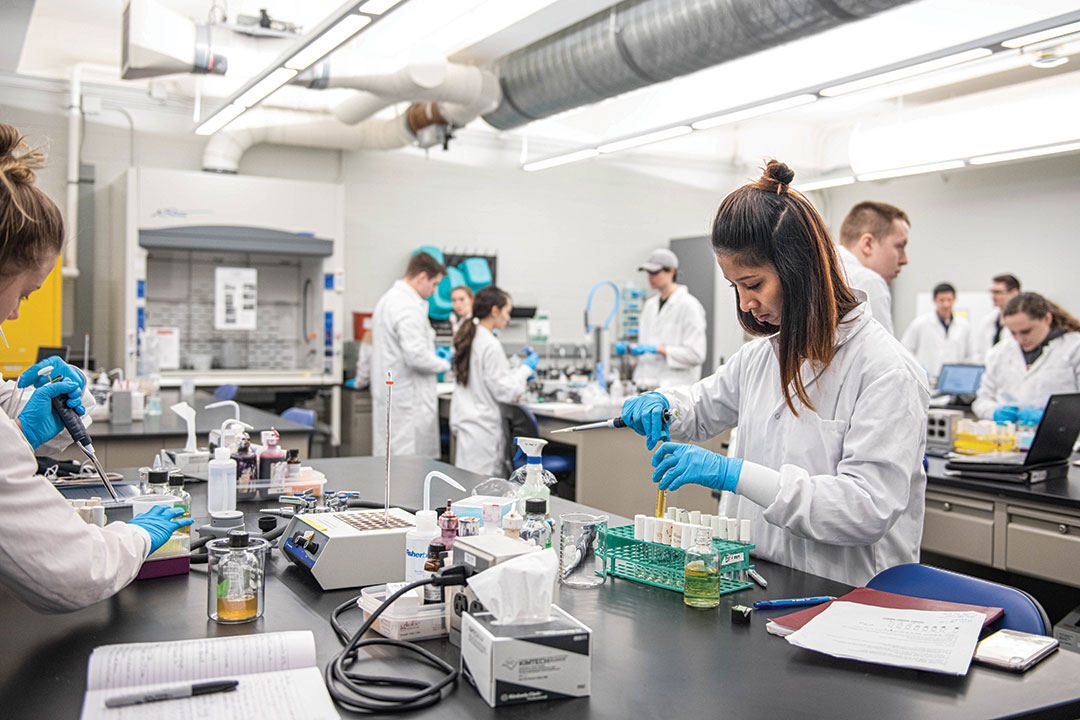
990 329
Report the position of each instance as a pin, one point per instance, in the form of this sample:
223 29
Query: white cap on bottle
425 520
222 453
744 531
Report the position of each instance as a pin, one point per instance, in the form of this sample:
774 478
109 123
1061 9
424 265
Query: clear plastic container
406 619
236 578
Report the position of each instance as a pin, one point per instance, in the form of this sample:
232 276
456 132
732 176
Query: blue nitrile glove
60 368
1030 416
350 383
444 353
645 414
1006 413
643 349
622 347
531 360
160 522
38 421
677 464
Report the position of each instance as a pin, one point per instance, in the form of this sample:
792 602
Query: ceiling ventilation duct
641 42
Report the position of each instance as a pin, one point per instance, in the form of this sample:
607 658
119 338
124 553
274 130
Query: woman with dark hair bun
1039 359
830 409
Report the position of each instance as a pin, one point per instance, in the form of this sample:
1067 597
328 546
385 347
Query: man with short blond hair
873 249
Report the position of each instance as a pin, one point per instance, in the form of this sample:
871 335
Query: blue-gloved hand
645 414
444 353
58 367
38 421
677 464
350 383
1007 413
160 522
622 347
643 349
531 360
1029 416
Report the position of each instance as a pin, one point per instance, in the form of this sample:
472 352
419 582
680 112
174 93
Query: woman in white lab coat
50 558
1042 358
461 300
484 379
831 411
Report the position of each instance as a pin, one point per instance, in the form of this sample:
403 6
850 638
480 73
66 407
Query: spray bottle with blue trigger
534 479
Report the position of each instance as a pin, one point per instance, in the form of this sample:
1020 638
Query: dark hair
1035 305
466 288
487 300
31 227
871 217
1011 282
943 288
421 262
768 223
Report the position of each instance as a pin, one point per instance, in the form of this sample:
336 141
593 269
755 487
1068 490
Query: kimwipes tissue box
512 664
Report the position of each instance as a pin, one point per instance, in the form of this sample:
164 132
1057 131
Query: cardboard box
511 664
478 552
1067 631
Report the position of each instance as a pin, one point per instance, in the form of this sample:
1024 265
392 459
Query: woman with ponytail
49 557
831 410
1042 358
484 379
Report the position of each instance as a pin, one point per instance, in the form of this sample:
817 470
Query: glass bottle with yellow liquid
183 499
236 578
701 586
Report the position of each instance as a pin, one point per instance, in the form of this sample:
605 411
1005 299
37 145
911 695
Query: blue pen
792 602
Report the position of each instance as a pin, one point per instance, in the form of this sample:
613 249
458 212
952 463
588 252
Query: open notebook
276 673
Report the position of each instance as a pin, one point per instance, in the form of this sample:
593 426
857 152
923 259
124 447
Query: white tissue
518 591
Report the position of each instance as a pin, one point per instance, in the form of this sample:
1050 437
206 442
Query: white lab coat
404 342
679 325
850 479
925 337
863 278
59 443
49 558
982 337
475 419
1008 380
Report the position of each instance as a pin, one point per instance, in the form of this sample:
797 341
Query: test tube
666 527
639 527
722 522
682 516
649 529
676 534
744 531
695 517
716 532
658 530
671 512
688 532
733 529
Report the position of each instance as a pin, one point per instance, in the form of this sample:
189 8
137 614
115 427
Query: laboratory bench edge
652 655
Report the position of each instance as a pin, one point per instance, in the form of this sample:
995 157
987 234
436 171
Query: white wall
969 225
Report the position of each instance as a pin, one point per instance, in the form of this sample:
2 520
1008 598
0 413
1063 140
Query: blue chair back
300 415
225 392
477 272
519 421
1022 611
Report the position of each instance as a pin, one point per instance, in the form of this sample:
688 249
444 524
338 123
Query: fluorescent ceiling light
328 41
378 7
1043 35
1020 154
220 119
645 139
753 112
822 184
264 87
560 160
912 170
906 72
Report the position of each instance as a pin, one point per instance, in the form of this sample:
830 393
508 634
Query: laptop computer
1049 453
957 384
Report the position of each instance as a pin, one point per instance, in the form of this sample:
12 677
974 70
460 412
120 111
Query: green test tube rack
663 566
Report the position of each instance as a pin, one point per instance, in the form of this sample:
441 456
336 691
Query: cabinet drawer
959 527
1043 544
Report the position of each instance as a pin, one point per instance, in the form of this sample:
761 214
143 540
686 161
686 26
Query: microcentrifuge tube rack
664 566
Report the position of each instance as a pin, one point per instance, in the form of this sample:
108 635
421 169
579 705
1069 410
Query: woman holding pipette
830 409
49 557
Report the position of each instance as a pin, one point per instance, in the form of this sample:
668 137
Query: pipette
82 438
615 422
386 502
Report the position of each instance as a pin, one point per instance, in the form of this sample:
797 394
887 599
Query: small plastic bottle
221 482
272 463
157 482
702 572
448 521
536 526
246 471
417 541
511 525
433 595
183 499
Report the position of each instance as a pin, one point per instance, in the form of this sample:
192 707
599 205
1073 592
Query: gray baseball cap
659 259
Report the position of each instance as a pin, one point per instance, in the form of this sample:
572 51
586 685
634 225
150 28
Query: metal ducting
641 42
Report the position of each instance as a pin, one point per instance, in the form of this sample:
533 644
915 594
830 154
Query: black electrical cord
198 544
353 690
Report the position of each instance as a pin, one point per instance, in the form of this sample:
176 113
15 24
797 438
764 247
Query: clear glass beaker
582 547
236 580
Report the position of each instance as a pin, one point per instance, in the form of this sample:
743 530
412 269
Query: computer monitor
959 379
